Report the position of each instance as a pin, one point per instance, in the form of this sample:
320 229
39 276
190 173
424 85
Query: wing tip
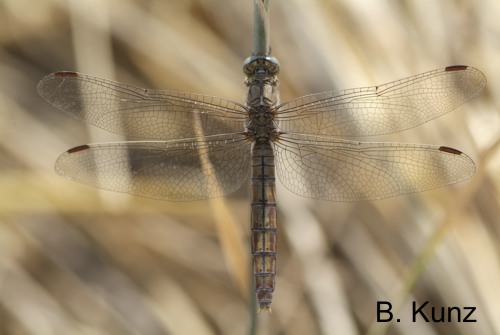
44 82
478 76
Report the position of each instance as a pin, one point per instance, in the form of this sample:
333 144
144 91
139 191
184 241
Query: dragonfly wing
332 169
138 112
377 110
182 170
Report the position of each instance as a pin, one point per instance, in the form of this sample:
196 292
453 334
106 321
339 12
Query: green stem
261 45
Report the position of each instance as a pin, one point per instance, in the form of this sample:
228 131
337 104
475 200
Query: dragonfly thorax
261 80
262 96
262 92
261 126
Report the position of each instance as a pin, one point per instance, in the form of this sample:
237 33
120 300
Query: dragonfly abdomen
263 221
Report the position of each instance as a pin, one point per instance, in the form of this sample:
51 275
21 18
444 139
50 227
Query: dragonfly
192 147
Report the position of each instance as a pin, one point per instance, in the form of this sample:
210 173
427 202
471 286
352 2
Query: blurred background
75 260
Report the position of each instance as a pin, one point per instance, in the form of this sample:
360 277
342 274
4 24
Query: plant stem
261 45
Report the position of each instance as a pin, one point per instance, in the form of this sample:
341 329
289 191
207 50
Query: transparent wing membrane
182 170
377 110
204 152
331 169
137 112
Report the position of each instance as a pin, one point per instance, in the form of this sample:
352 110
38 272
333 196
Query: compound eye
272 67
249 68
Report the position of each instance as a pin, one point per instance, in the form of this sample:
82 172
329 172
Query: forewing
331 169
184 170
383 109
137 112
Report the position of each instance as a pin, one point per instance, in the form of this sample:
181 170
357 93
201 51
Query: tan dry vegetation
75 260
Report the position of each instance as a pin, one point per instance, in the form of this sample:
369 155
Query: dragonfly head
261 66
